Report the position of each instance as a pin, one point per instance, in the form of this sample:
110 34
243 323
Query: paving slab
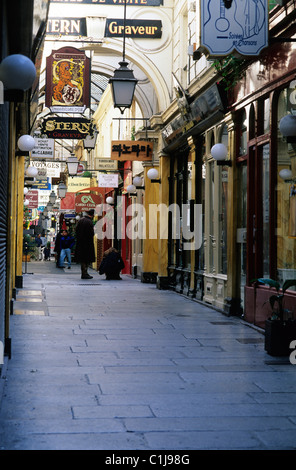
124 366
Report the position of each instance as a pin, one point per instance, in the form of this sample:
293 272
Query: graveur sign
150 3
66 128
131 150
133 28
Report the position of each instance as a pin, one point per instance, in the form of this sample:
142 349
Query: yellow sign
77 184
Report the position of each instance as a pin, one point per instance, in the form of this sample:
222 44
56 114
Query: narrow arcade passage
120 365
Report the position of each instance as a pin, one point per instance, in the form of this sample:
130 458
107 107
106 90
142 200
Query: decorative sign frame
67 81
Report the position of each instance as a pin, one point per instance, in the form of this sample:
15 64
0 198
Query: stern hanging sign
234 25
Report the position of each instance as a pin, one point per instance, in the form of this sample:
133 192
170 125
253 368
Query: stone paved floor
120 365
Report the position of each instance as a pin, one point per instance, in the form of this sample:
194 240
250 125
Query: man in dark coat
85 250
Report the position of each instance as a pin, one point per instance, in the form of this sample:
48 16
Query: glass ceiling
98 86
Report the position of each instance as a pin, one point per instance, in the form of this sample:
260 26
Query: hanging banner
234 25
67 81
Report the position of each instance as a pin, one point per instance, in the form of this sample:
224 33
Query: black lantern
123 83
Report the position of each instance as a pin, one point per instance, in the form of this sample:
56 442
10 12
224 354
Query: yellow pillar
150 242
164 162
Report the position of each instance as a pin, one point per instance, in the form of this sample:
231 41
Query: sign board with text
47 169
87 201
108 181
133 28
44 148
32 197
139 3
240 25
105 164
131 150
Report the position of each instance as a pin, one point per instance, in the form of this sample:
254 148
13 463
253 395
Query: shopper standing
85 250
66 245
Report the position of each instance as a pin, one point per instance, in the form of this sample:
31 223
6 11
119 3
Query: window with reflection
243 134
223 209
286 194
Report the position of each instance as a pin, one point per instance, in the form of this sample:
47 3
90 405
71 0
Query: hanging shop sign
66 26
131 150
108 181
133 28
140 3
195 117
68 202
77 184
67 81
41 184
87 201
234 25
105 164
66 128
32 197
47 169
44 148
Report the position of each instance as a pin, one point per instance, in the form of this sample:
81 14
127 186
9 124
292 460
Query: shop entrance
241 233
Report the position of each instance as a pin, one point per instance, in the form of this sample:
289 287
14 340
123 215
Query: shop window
286 194
252 122
265 209
212 239
223 209
266 116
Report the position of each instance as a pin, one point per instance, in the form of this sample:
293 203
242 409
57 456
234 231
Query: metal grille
4 119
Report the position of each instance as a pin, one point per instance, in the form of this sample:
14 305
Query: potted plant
280 328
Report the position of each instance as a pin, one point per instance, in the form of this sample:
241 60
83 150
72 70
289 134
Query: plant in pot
280 328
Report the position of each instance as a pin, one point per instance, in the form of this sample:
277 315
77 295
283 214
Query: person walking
111 264
66 244
85 250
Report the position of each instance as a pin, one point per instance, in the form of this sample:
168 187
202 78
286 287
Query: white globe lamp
26 143
17 72
31 172
152 174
